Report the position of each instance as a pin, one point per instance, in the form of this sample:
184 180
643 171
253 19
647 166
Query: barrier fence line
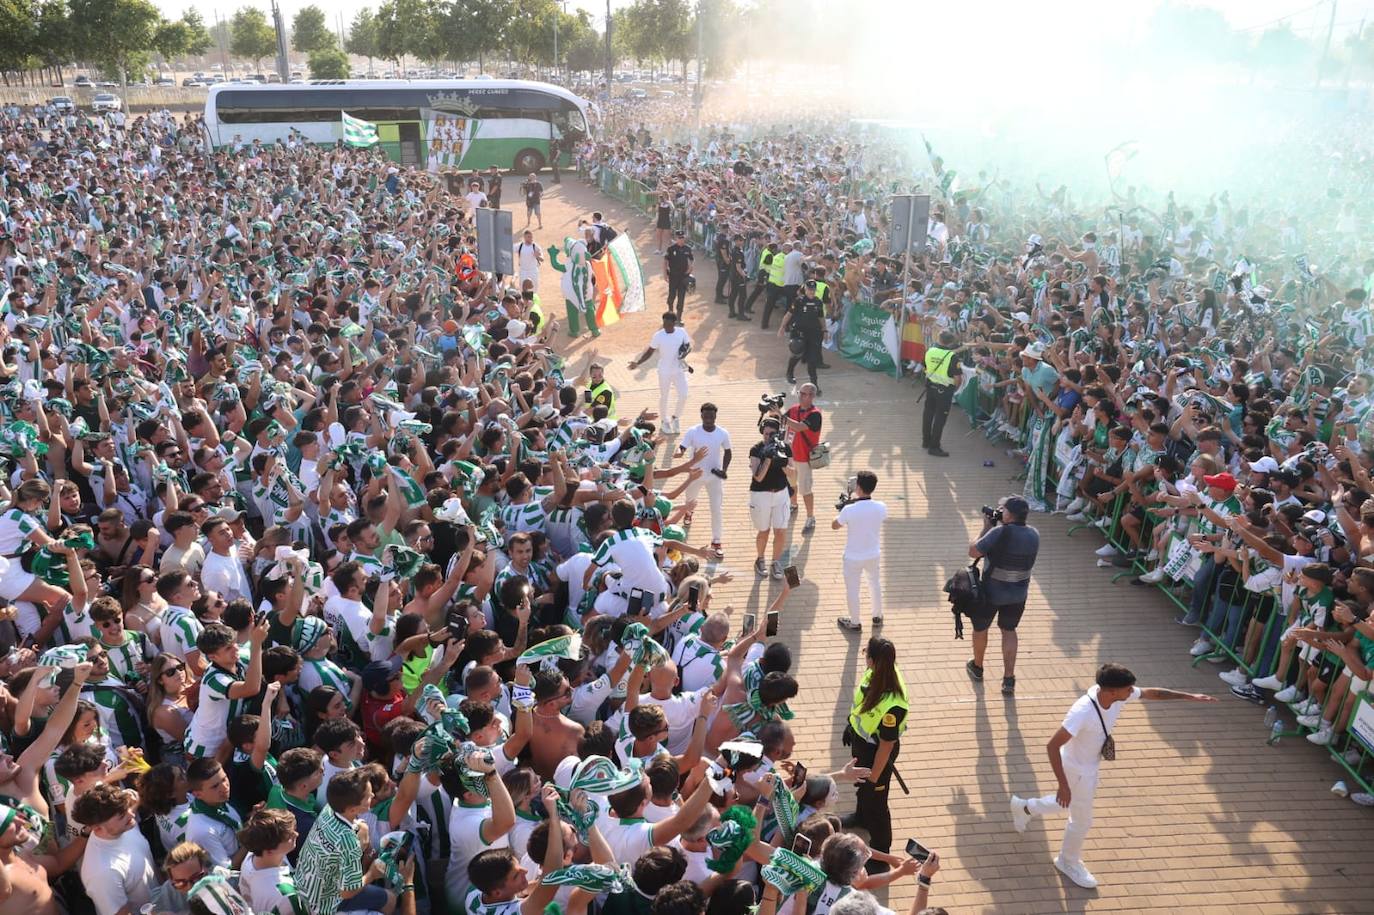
1236 626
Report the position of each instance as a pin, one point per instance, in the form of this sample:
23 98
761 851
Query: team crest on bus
455 102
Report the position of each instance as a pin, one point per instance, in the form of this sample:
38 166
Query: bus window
569 124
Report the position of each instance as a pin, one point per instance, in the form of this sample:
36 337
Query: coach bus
439 124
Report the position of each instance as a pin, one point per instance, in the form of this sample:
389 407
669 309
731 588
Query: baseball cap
1265 464
378 674
229 513
1316 516
1221 481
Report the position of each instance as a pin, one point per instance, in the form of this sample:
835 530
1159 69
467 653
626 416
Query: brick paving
1195 815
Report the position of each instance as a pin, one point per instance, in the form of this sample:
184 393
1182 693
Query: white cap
515 329
563 774
1035 351
1020 317
1265 464
1316 516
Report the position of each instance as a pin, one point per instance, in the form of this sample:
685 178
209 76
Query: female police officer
874 735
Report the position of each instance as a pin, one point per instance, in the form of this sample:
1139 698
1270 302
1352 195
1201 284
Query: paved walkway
1195 815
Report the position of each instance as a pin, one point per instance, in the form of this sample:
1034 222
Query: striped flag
357 132
619 281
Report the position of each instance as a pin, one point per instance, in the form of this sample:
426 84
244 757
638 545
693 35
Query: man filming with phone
863 547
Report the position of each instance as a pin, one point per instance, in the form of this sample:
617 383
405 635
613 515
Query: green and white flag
357 132
565 646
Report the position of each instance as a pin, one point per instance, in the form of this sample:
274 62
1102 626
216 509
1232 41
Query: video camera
847 495
992 515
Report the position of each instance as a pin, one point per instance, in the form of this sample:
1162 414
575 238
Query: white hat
1033 240
1316 516
1265 464
1035 351
515 329
1020 317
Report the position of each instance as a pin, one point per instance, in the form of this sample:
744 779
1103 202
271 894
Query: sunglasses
173 670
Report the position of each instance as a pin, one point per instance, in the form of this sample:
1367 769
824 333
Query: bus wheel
528 160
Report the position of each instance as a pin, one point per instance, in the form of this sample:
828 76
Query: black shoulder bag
1109 743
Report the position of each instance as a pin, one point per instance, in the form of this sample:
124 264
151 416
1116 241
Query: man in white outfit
863 548
673 345
528 257
716 442
1075 750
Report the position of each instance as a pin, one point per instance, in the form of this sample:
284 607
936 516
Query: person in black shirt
534 193
494 188
739 280
722 252
806 319
769 507
677 268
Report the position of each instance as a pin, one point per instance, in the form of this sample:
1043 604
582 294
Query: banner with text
870 339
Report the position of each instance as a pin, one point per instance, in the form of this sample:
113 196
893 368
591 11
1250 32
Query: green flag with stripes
357 132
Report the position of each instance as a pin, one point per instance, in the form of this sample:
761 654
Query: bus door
408 133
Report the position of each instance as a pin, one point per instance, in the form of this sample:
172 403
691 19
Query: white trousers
668 380
715 494
868 568
1082 787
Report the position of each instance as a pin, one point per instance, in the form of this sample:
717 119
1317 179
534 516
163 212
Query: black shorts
1007 616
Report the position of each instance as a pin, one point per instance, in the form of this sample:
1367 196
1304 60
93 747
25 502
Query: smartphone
634 605
587 396
694 595
801 845
771 625
457 623
917 850
798 775
750 621
439 636
793 576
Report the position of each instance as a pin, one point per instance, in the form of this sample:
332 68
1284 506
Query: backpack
608 234
965 590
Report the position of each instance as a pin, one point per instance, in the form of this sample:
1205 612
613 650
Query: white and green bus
438 124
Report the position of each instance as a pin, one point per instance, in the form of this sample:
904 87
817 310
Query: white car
106 101
61 103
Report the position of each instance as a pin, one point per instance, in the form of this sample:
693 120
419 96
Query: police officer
770 251
598 391
939 391
722 249
807 319
877 720
739 279
777 292
677 269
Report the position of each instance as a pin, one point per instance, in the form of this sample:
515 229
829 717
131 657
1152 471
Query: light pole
283 67
701 6
609 59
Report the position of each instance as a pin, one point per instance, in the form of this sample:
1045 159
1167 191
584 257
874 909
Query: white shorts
14 581
770 510
805 481
1357 685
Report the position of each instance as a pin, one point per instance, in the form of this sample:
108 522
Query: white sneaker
1076 872
1152 578
1076 517
1287 694
1324 736
1310 721
1352 757
1308 708
1077 505
1020 816
1152 555
677 426
1272 682
1103 524
1364 800
1107 551
1200 648
1234 677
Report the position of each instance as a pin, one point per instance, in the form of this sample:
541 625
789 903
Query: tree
328 63
406 27
585 52
720 36
251 36
310 32
18 31
197 36
473 27
115 35
1281 49
673 24
362 36
171 40
529 36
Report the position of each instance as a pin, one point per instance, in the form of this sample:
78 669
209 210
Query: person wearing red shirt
803 434
383 699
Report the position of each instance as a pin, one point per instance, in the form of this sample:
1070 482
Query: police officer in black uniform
806 319
677 268
739 279
722 250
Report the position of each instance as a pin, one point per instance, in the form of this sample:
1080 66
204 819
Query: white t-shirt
475 199
118 873
865 522
628 838
715 442
573 570
1084 749
225 576
668 346
465 842
260 886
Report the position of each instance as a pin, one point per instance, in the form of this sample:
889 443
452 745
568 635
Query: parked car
106 101
107 84
192 82
636 93
164 81
83 82
62 103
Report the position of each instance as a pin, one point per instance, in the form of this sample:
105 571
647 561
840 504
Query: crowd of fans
1191 377
325 590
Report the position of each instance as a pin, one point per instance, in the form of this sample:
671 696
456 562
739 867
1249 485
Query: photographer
768 502
863 546
803 423
1010 546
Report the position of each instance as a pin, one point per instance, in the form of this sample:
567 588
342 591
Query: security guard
598 391
939 394
761 275
776 290
874 735
806 319
677 270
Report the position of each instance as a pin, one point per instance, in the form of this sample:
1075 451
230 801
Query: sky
1305 17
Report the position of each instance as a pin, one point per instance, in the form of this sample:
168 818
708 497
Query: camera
992 515
771 403
847 495
775 447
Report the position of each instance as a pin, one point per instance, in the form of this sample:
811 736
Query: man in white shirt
863 548
1082 740
528 257
673 344
117 866
715 441
474 196
223 572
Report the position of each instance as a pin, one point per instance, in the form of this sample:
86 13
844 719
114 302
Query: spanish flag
913 340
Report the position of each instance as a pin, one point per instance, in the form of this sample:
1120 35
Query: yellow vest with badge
866 724
775 269
821 290
604 393
536 312
938 362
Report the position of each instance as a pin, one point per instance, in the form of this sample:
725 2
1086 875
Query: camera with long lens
847 496
770 404
992 515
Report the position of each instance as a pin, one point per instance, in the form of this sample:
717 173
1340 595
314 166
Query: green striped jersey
135 649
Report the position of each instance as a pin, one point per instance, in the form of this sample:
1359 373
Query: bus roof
484 85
